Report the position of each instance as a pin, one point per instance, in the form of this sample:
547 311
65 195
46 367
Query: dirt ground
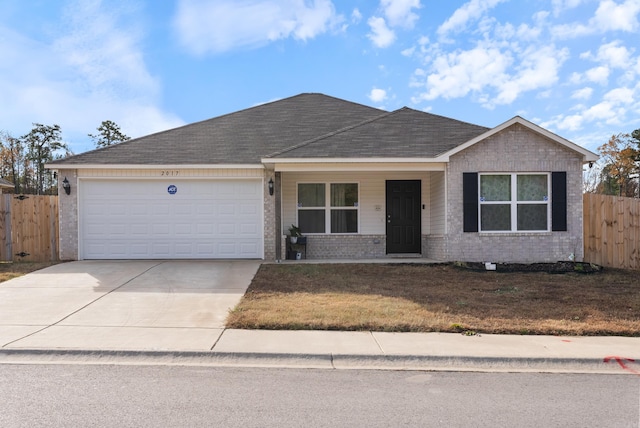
442 297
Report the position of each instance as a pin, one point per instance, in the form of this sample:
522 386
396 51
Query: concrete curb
313 361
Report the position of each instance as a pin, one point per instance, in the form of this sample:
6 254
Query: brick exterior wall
68 215
433 247
344 247
350 247
515 149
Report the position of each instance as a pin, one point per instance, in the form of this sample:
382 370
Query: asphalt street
174 396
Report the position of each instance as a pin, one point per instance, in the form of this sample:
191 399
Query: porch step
405 256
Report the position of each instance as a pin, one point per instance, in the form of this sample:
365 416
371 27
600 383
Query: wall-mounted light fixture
271 186
66 186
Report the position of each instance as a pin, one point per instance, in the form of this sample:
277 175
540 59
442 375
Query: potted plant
294 233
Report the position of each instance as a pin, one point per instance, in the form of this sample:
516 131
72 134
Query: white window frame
514 202
328 208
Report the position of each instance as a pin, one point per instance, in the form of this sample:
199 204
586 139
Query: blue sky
572 66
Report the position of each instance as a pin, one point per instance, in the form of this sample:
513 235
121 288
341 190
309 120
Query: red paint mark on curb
621 362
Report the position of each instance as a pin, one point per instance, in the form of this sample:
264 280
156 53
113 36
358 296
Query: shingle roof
6 183
402 133
243 137
305 125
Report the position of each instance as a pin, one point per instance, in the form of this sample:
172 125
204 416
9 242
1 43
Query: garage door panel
184 229
185 208
247 248
205 209
141 219
139 229
248 229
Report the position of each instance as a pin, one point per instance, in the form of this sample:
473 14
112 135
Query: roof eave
351 160
353 164
56 166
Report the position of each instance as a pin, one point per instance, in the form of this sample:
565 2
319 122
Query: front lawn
439 297
9 270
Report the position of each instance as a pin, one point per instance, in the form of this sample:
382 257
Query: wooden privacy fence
612 231
28 228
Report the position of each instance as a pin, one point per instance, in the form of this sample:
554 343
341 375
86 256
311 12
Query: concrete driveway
122 305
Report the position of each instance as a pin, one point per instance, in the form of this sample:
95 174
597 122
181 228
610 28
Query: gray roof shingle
6 183
305 125
242 137
403 133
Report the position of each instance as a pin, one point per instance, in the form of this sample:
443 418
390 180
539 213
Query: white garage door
164 219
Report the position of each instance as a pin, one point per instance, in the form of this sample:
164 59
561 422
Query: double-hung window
514 202
328 207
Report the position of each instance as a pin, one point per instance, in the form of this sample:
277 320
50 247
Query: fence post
5 228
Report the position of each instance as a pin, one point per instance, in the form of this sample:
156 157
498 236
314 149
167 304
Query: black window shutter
470 201
558 201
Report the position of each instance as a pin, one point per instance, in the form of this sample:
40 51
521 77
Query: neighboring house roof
243 137
404 133
6 183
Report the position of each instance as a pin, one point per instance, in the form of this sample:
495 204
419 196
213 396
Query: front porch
357 226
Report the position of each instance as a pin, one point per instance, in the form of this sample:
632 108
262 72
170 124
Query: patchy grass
444 298
10 270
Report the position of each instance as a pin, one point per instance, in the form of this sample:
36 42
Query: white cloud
495 75
539 68
400 12
397 13
214 27
470 11
570 123
562 5
356 16
614 55
456 74
377 95
609 16
408 52
612 16
102 52
619 96
612 109
604 111
380 35
92 71
582 94
598 74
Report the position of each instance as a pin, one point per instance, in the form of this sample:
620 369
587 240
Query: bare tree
591 178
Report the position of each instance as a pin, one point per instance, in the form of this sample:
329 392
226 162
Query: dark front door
403 216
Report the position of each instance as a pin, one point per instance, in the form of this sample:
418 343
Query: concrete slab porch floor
122 305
